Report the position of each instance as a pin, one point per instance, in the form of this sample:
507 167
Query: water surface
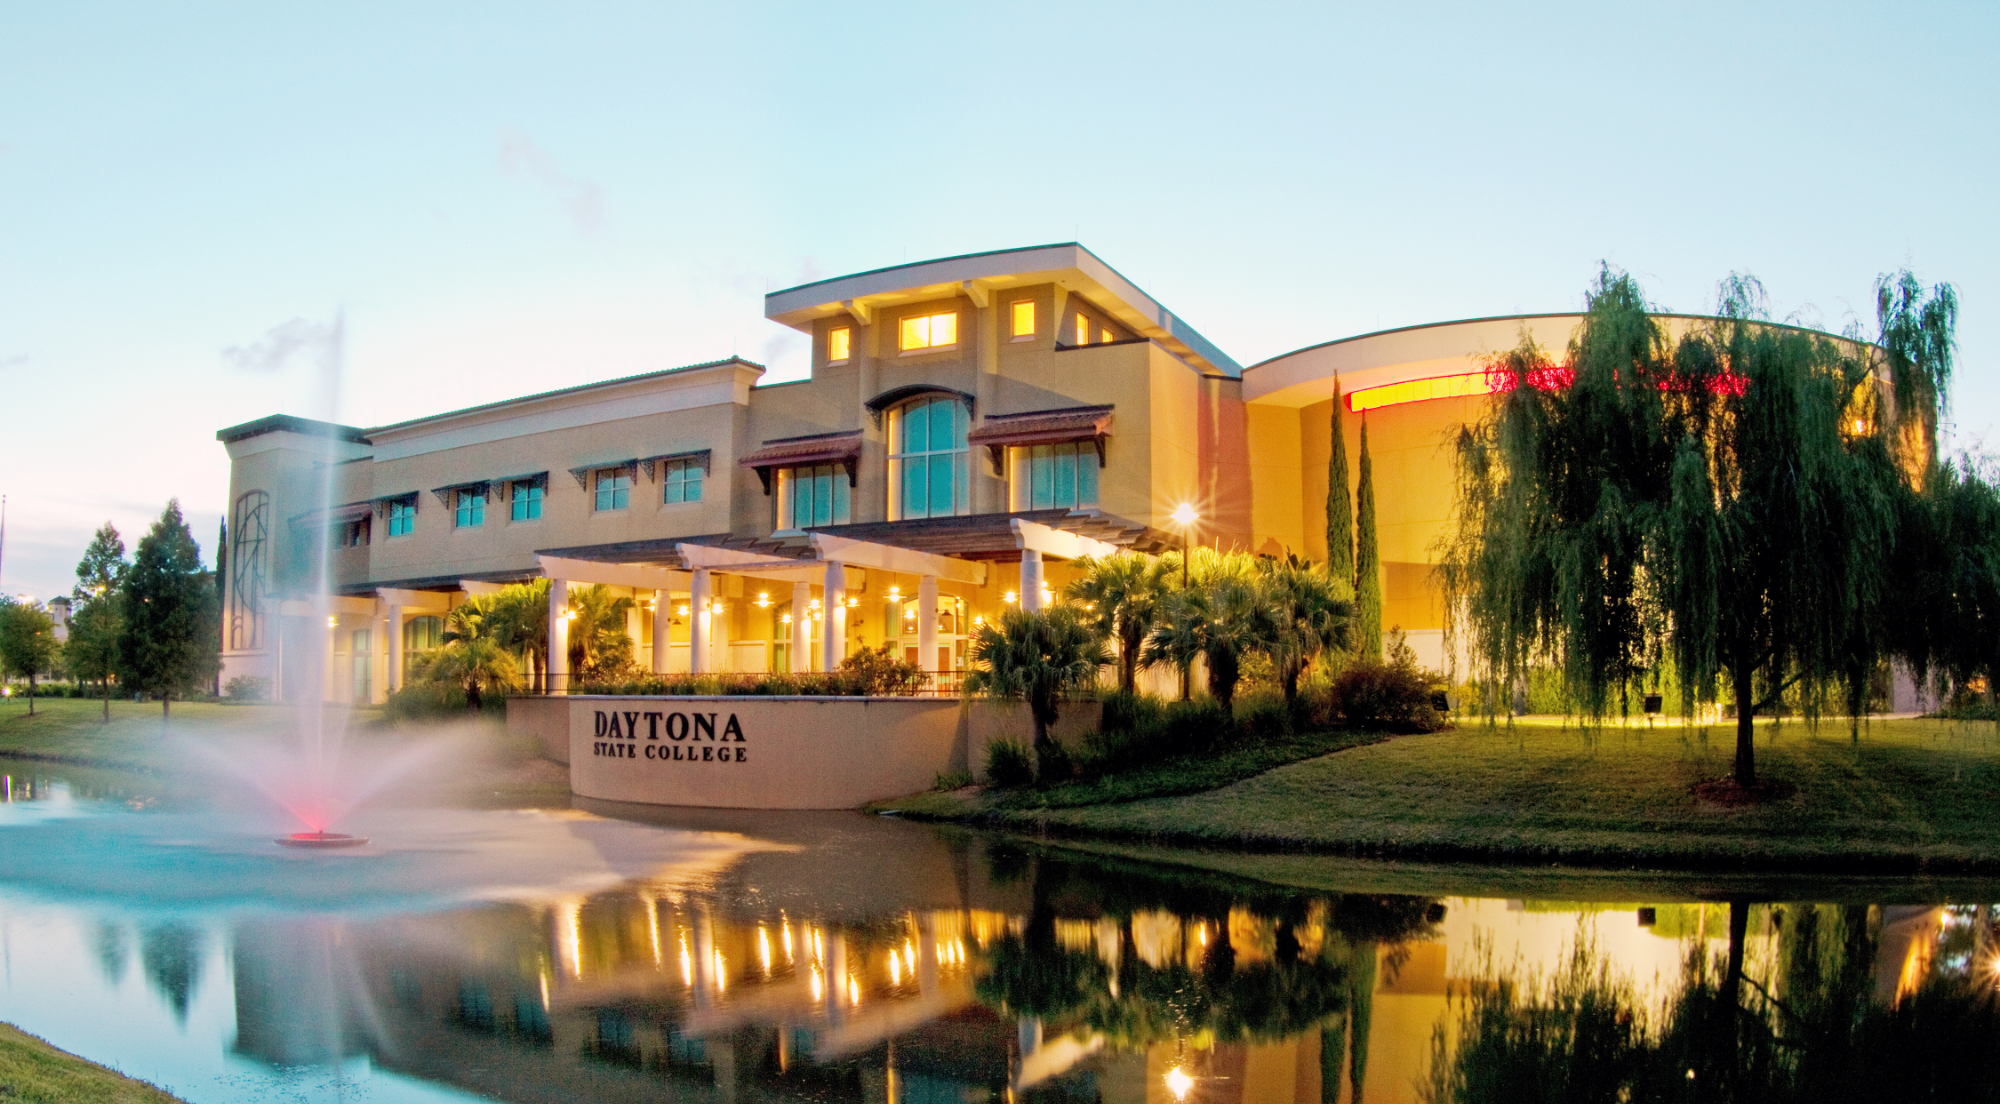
624 954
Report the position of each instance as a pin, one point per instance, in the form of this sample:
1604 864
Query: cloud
281 343
14 361
583 198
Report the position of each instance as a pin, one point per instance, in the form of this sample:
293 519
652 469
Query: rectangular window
402 517
614 489
471 512
1049 477
1024 318
363 664
1104 335
683 480
813 496
527 502
930 331
1082 330
838 341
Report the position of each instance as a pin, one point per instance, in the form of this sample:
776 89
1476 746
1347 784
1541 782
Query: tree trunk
164 698
106 685
31 693
1746 747
472 699
1128 667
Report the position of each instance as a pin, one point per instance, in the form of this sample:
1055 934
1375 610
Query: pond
624 954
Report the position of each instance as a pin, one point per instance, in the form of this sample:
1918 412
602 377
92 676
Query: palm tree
1040 657
1312 613
1222 617
1123 590
472 654
518 620
599 646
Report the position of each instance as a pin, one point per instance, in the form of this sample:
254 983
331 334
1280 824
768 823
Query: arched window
250 529
929 465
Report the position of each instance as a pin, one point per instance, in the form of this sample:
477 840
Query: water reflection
850 960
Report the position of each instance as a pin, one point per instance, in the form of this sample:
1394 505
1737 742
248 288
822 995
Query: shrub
424 701
952 780
247 688
882 670
1394 695
1057 765
1009 764
1138 729
1263 712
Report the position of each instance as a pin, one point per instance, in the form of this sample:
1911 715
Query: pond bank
1907 797
34 1072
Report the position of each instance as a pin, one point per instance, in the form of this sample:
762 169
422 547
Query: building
971 426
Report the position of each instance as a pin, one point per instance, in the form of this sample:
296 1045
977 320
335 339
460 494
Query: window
1104 335
817 495
930 331
1046 477
1024 318
471 512
1082 330
250 531
683 480
402 517
527 501
839 341
352 534
421 636
363 662
928 462
614 488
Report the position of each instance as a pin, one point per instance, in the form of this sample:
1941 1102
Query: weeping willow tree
1718 501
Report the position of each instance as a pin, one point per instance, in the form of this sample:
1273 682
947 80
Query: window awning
798 452
1043 427
337 515
449 491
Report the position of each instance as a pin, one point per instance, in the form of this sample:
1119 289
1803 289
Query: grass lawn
1909 795
494 769
33 1071
1191 774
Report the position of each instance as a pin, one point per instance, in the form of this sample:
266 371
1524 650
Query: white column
833 631
558 636
698 623
1031 579
663 620
395 649
378 654
927 619
802 632
718 638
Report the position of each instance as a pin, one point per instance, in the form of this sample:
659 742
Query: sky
497 199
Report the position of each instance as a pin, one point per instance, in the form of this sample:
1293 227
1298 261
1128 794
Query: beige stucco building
970 427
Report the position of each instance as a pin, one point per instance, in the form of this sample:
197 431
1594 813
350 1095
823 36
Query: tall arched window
250 530
929 465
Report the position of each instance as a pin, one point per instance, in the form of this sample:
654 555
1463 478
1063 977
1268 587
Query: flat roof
287 423
1067 264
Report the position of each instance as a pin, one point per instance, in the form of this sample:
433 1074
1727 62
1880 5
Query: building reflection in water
988 974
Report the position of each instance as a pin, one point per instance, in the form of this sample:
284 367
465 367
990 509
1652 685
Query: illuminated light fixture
853 602
763 599
1011 598
1458 385
332 621
1047 597
909 615
570 615
784 619
1179 1083
978 620
814 604
895 592
1184 515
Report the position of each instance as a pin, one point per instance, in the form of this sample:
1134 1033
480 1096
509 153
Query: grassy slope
505 771
1909 795
34 1072
1192 774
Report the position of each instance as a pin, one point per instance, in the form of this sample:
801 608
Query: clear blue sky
507 198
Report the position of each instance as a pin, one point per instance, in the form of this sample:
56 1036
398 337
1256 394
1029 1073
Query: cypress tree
168 643
1339 506
102 568
1367 561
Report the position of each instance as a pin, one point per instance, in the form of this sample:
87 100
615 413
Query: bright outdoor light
332 621
1011 598
1179 1083
682 612
1184 515
570 615
763 599
784 619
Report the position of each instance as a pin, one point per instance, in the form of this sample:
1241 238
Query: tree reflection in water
1826 1016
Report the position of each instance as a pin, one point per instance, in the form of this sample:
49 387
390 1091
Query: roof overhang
1069 266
